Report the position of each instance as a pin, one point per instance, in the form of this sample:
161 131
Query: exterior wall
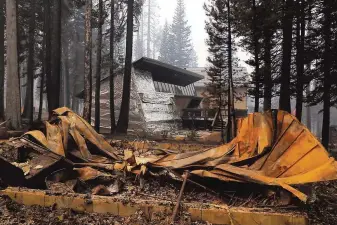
201 88
240 100
136 117
182 103
150 111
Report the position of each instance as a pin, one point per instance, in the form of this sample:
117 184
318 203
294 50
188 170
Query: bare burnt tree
87 63
123 121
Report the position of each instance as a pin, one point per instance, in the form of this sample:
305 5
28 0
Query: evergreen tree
87 63
182 47
13 83
287 27
2 58
216 27
123 120
165 52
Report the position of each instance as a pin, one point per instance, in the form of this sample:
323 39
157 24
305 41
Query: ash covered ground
321 207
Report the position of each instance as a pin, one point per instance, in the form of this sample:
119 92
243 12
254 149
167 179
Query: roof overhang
166 73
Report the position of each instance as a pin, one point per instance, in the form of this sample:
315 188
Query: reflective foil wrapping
150 111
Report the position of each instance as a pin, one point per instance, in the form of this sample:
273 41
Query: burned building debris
272 153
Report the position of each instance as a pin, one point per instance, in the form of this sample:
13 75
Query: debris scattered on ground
13 213
322 209
269 162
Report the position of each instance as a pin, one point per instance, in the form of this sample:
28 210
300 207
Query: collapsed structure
271 148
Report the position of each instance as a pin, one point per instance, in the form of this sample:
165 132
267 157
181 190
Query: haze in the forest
196 18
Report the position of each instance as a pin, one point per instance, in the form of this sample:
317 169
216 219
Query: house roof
163 72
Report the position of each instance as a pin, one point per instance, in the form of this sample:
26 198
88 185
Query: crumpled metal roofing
271 148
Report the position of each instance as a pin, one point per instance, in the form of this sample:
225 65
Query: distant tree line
176 44
171 43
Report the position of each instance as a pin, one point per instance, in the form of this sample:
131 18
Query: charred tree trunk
2 59
87 63
29 100
56 57
300 32
327 56
256 59
112 65
287 28
98 66
308 65
43 74
13 104
267 69
77 87
231 108
66 76
47 61
123 121
39 116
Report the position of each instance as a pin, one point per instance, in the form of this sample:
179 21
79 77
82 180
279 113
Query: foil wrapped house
159 94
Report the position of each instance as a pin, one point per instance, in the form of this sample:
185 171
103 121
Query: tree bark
2 59
29 100
300 32
112 63
39 117
327 56
47 61
256 59
87 63
287 28
231 108
98 66
13 105
267 68
56 57
123 121
66 76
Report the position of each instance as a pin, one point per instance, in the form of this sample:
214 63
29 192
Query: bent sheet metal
271 148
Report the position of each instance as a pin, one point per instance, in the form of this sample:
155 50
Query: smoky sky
196 19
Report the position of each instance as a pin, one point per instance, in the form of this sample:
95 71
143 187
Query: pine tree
112 67
182 47
98 66
139 47
217 29
13 83
2 58
123 121
87 63
327 67
48 53
300 35
166 48
28 108
256 23
287 27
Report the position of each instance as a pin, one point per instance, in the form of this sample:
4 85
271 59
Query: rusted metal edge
215 214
